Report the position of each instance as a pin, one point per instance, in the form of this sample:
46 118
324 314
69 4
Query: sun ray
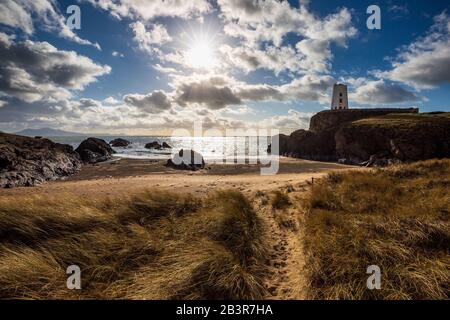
199 46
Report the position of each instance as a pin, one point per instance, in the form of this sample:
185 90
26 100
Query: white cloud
271 58
425 63
162 69
316 55
150 39
111 101
33 71
117 54
150 9
24 14
400 9
289 122
257 23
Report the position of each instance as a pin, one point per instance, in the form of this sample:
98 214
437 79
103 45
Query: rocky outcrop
156 145
387 139
93 150
26 161
370 137
186 160
308 145
153 145
119 143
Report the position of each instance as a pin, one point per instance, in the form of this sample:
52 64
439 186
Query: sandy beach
132 175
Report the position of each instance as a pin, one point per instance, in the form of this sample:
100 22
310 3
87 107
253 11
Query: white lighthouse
340 97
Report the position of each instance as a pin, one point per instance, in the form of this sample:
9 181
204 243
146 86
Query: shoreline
126 176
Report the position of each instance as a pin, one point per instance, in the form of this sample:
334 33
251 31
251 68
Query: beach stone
119 142
186 160
93 150
26 161
153 145
166 145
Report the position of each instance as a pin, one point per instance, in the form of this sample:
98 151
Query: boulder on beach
186 160
93 150
26 161
156 145
153 145
119 142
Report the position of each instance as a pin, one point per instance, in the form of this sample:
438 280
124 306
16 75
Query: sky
148 67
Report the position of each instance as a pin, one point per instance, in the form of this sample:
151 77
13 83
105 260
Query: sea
212 148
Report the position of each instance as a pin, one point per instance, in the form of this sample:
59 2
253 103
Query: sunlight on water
211 148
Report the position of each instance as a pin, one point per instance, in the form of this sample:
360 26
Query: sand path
286 279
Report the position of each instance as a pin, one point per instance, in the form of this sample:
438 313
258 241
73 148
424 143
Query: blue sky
148 67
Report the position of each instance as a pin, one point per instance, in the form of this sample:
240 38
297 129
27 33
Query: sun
201 55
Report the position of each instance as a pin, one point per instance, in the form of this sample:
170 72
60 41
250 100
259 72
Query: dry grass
396 218
280 200
154 245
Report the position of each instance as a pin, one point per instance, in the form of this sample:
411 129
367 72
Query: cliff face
308 144
401 137
371 136
28 161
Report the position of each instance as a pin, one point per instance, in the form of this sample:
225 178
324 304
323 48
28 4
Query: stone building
340 97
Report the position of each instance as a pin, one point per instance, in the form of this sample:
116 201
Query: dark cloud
206 93
381 92
155 102
259 92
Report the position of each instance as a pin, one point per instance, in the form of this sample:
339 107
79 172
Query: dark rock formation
26 161
93 150
186 160
308 145
370 137
386 139
153 145
119 142
156 145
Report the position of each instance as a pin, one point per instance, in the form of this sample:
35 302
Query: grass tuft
280 200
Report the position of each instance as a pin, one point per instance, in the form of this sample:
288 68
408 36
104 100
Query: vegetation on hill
154 245
405 120
396 218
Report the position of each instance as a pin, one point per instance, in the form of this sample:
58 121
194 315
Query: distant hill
47 132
